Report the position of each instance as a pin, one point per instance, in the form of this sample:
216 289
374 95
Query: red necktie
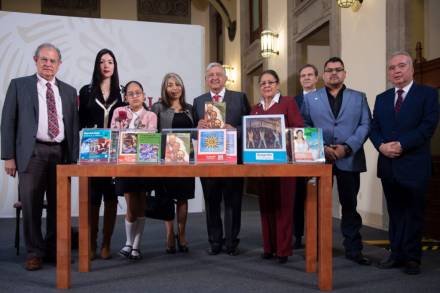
216 98
52 120
399 101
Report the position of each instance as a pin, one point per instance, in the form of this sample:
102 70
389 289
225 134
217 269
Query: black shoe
282 259
213 250
359 259
233 251
389 263
412 268
267 255
182 247
171 250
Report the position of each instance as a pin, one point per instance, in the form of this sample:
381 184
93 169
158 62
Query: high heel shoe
171 249
182 247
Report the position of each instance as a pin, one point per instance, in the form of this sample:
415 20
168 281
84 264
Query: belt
48 142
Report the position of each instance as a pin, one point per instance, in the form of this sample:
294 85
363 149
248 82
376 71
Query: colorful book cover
114 146
215 114
211 146
231 147
127 146
149 145
177 148
95 145
264 139
307 145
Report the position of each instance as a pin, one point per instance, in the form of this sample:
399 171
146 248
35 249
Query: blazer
91 115
299 99
350 127
237 106
413 127
166 114
20 121
147 119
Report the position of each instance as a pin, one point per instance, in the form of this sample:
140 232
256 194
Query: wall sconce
354 4
230 73
269 44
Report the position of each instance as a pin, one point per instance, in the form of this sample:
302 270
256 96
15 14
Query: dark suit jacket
20 121
237 106
413 127
299 99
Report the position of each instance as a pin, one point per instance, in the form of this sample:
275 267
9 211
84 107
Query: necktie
52 121
216 98
399 101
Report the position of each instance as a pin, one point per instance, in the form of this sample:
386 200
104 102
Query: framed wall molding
80 8
171 11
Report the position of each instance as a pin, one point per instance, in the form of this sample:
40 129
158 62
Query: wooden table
318 225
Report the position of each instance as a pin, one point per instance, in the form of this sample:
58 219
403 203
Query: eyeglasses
134 94
335 70
399 66
269 83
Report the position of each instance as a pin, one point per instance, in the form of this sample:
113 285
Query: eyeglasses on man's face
334 70
269 83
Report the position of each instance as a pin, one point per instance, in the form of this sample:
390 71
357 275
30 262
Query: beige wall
200 16
232 49
363 50
277 22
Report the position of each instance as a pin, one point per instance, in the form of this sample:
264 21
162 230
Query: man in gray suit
345 117
228 189
39 129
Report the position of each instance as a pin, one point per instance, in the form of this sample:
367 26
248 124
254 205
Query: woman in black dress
173 112
97 102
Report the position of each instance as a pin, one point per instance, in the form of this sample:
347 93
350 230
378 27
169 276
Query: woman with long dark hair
97 102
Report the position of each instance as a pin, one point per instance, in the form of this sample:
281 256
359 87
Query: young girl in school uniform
133 116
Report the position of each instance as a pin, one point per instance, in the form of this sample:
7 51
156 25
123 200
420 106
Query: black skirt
179 188
134 184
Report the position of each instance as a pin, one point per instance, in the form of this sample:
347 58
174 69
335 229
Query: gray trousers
38 179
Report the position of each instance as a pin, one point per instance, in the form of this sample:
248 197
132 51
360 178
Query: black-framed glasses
335 70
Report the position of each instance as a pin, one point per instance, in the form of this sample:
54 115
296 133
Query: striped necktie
52 120
399 101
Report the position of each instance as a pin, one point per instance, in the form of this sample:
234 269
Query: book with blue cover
264 139
95 145
211 146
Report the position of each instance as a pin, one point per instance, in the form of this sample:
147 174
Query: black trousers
38 179
405 204
230 190
102 187
351 221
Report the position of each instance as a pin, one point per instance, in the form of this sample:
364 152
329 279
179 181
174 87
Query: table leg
63 232
84 227
325 241
311 206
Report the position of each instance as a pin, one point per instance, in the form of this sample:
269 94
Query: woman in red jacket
277 194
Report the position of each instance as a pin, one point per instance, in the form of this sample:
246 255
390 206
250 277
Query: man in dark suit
344 116
404 120
39 129
308 78
228 189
